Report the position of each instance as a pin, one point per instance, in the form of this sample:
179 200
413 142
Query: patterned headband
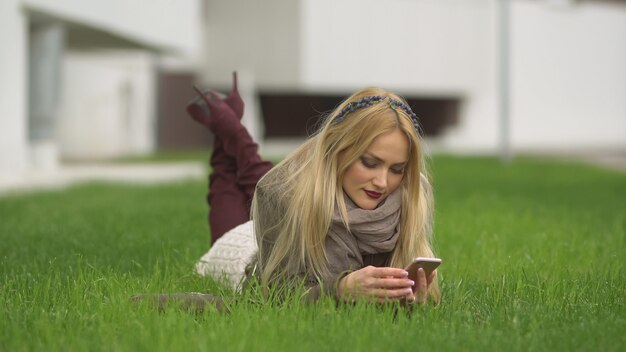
375 99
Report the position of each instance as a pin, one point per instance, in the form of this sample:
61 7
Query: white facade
114 117
569 75
13 75
163 24
567 61
105 91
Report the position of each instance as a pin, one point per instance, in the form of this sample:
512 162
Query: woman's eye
368 164
398 171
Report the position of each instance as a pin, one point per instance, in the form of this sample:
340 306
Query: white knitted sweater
230 254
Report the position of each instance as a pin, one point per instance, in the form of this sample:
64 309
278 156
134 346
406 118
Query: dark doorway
175 129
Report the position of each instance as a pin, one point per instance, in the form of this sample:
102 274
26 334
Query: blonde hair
303 189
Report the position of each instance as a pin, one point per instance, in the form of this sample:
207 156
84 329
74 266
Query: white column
503 72
47 42
13 61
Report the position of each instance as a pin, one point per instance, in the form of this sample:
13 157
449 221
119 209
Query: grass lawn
533 260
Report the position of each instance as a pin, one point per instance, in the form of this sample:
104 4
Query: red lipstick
372 194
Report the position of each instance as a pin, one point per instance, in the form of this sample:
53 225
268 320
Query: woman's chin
368 204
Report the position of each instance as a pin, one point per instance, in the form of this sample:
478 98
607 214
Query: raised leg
224 120
250 166
236 164
228 204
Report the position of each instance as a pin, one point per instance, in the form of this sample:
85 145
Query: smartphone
428 264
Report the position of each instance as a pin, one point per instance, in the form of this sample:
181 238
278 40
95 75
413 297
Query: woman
344 213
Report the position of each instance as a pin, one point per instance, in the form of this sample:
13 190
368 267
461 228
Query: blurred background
83 81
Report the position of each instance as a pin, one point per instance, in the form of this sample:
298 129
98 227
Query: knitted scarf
371 231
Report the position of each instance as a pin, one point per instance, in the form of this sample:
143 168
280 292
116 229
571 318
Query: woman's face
379 171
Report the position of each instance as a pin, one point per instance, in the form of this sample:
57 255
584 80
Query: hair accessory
363 102
394 104
375 99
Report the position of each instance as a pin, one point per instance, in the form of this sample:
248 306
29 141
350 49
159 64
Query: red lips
372 194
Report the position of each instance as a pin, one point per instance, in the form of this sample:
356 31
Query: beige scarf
371 231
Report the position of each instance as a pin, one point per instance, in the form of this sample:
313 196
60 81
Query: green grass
533 260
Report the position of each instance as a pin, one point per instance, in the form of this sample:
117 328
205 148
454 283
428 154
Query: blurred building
79 79
100 79
566 65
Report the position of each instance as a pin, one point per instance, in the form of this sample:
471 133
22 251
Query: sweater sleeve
269 214
329 288
341 262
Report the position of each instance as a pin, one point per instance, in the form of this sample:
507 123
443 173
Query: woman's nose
380 180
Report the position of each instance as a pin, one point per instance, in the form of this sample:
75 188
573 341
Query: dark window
298 115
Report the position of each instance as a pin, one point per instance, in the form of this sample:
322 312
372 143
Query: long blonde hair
302 191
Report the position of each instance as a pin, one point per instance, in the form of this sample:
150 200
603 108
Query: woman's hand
378 284
419 293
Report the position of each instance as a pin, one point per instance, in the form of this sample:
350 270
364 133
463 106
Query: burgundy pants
236 169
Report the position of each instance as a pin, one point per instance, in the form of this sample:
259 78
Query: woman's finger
410 298
383 272
394 283
431 277
421 286
390 293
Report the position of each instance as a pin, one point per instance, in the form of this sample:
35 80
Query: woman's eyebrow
371 155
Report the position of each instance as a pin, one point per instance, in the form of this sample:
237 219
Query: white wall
569 75
113 117
258 37
13 67
434 46
160 23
